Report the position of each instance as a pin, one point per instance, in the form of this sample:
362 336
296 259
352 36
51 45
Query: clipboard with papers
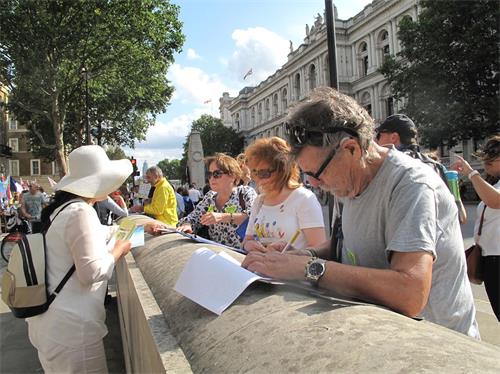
202 240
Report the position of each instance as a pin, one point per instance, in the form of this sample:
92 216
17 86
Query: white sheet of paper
212 280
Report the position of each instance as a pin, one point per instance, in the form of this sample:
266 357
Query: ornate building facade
362 43
16 159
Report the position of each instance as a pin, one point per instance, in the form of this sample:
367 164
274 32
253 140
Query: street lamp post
87 122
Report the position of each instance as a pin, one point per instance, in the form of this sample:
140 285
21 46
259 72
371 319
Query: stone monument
195 160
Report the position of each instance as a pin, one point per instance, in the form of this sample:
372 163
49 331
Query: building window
267 109
284 99
237 122
14 168
389 106
14 144
312 77
35 167
296 86
259 113
366 102
363 59
275 105
383 44
253 117
12 124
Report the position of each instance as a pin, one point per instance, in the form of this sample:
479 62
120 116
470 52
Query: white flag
249 72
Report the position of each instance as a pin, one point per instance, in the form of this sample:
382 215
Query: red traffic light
133 161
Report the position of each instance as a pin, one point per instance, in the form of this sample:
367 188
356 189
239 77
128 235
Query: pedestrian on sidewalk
488 190
68 336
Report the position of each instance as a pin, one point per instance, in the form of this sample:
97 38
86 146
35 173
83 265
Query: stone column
195 160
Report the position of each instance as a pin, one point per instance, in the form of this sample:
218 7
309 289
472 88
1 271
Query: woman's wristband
472 173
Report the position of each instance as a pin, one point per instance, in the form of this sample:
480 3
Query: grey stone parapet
273 328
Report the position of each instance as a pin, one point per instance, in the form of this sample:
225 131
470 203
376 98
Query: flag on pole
249 72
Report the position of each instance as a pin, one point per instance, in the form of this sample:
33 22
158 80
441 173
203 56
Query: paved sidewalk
17 355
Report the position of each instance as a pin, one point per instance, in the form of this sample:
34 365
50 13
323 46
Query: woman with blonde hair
284 206
487 225
225 207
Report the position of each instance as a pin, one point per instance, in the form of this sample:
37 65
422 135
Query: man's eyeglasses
216 174
300 136
262 173
323 166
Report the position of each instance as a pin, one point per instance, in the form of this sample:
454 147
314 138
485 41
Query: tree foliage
215 137
59 57
116 153
171 168
448 69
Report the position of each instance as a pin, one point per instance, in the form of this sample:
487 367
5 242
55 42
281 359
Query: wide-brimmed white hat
92 174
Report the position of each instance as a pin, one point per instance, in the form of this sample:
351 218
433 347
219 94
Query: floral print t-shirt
222 232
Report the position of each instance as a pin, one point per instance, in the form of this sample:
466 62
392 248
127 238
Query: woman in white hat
69 335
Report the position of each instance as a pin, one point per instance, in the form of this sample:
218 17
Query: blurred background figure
31 206
488 190
162 205
194 193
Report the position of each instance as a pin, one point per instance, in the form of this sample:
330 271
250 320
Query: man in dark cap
399 130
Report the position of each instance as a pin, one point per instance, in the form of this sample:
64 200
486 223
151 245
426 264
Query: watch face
316 269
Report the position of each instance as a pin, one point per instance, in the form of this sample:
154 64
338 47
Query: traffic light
135 172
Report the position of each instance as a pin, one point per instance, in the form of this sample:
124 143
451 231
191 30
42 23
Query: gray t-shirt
33 204
407 208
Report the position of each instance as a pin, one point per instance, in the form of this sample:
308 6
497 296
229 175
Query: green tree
59 57
215 137
116 153
171 168
447 71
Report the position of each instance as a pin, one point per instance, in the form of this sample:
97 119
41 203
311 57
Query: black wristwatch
315 268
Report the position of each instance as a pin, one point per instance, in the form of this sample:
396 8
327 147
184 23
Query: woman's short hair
225 163
278 154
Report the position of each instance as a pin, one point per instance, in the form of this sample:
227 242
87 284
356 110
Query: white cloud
193 85
258 49
165 139
192 55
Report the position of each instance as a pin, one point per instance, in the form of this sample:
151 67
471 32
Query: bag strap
45 229
242 201
58 289
480 229
70 272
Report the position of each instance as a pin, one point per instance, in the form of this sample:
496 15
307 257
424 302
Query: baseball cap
399 123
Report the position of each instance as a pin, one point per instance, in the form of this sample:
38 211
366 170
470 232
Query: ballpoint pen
292 240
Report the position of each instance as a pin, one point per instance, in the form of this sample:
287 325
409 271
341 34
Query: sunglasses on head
216 174
262 173
301 136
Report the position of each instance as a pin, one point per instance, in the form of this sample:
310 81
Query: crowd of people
401 245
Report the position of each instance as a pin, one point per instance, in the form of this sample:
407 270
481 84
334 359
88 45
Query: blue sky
224 39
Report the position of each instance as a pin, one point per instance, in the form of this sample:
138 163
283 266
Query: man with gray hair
402 242
163 204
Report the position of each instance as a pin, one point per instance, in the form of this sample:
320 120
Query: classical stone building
15 156
362 43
